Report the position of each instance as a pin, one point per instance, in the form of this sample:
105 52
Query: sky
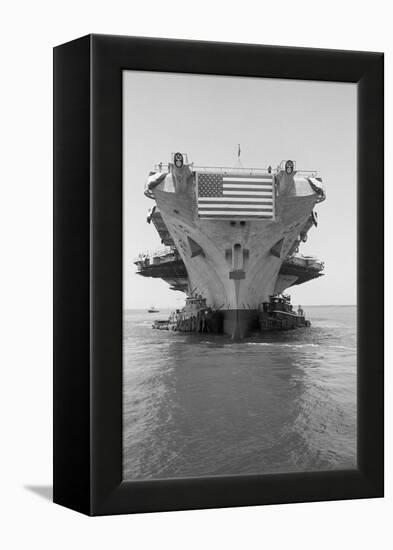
312 123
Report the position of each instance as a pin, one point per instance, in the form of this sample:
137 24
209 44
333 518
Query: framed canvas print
218 274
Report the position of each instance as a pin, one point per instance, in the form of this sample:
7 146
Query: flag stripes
231 215
261 200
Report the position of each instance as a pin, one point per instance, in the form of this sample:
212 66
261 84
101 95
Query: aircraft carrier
231 238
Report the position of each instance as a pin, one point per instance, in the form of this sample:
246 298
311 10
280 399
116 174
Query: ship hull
234 264
240 323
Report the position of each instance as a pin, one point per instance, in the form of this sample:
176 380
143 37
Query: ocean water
202 405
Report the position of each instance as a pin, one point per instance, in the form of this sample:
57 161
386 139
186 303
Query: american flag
235 196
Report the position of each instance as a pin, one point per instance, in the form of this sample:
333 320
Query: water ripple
200 405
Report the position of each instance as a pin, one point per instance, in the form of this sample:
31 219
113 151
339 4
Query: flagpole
238 155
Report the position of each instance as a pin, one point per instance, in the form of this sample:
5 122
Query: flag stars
210 185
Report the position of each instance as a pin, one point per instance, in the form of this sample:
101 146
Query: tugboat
278 314
153 309
196 316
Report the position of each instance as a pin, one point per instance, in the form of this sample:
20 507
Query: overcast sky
313 123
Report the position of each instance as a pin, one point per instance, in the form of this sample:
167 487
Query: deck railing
235 170
164 253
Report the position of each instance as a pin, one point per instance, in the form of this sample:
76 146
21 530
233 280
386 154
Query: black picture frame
88 273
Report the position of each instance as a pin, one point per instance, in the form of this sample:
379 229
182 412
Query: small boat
166 324
161 324
153 309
